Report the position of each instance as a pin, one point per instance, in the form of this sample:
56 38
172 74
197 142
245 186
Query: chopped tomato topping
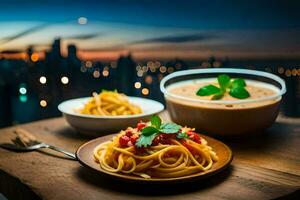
123 140
128 133
194 136
163 139
140 126
133 139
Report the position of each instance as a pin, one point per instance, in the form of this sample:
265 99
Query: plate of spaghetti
107 111
155 151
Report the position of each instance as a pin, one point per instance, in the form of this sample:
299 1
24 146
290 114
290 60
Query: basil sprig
150 132
182 135
236 88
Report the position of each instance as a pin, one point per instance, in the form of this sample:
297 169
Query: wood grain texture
264 167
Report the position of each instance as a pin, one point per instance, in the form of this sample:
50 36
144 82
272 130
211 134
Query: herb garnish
236 88
182 135
150 132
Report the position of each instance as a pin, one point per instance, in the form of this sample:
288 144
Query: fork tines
24 138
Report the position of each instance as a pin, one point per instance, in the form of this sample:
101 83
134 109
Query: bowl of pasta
157 152
107 112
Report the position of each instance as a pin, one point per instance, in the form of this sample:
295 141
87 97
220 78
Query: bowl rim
160 108
224 70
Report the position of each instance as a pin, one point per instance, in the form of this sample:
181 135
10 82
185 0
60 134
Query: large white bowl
93 125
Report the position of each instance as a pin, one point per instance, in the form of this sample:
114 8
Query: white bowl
93 125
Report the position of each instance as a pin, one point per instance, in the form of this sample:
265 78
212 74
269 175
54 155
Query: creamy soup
189 88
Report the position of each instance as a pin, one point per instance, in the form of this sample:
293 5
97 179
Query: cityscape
36 84
46 59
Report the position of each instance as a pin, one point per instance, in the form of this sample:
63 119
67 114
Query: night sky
147 28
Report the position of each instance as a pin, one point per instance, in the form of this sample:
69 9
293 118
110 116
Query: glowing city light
105 73
43 103
170 70
288 73
205 64
82 20
294 72
280 70
22 90
96 74
152 69
34 57
137 85
145 91
88 64
145 68
23 98
113 64
160 77
148 79
157 64
64 80
215 64
43 80
150 64
82 69
163 69
138 68
140 73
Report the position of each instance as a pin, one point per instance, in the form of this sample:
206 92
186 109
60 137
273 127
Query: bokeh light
140 73
64 80
96 74
88 64
23 98
148 79
280 70
162 69
34 57
105 73
145 91
43 103
82 20
22 90
137 85
43 80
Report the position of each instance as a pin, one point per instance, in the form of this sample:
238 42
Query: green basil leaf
239 92
145 141
208 90
149 130
169 128
156 121
182 135
218 96
224 81
238 83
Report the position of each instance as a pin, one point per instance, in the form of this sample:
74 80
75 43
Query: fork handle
71 155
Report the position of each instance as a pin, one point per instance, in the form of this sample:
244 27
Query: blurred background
54 50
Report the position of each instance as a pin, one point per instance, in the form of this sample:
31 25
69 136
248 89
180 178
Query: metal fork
24 141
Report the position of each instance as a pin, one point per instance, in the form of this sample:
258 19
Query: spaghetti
169 155
110 103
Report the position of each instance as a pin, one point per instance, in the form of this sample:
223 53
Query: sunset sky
155 29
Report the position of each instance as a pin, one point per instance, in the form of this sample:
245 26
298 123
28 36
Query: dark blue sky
176 13
174 28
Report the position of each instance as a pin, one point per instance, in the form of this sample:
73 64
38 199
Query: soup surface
189 88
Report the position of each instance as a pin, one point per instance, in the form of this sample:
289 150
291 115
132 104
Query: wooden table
264 167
